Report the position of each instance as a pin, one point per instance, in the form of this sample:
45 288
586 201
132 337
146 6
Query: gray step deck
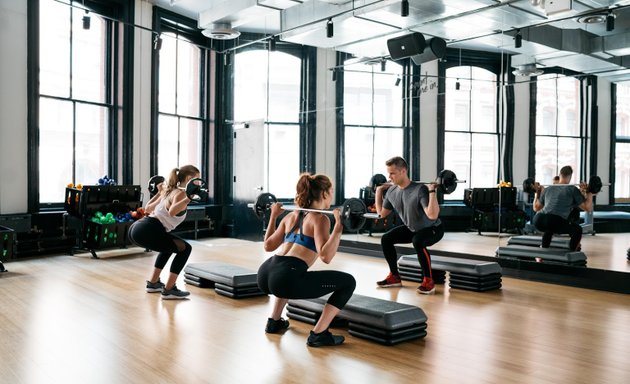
382 321
535 241
453 264
226 279
550 254
467 274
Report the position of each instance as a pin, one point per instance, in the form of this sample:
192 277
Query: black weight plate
352 214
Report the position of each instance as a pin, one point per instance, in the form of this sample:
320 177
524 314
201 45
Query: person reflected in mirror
417 206
299 240
165 211
553 206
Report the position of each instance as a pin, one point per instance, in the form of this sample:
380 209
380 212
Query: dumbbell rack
81 204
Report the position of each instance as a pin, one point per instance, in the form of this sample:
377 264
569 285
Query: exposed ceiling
565 33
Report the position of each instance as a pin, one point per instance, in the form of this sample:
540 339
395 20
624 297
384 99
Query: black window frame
119 15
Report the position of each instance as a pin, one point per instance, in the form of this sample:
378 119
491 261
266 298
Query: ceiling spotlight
329 28
383 65
518 39
86 20
404 8
272 44
397 83
457 85
334 74
610 21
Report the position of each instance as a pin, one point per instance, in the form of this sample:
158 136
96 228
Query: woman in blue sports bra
301 238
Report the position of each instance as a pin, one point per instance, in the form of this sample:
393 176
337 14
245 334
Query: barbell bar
353 211
196 189
446 181
594 185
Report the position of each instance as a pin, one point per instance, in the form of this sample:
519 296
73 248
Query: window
471 140
373 112
267 87
76 100
558 134
181 113
622 144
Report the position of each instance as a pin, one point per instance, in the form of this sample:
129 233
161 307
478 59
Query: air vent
221 31
527 70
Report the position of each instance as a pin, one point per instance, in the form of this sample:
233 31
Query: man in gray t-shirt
417 206
554 205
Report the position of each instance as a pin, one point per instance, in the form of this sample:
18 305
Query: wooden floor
74 319
603 251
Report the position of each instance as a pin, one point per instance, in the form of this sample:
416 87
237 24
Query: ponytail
309 188
177 177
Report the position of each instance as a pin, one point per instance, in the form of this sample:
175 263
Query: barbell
446 181
353 211
196 189
594 185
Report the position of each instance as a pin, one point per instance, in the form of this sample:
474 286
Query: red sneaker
427 287
390 281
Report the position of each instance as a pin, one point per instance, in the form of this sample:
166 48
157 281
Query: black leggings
549 224
420 239
149 233
288 277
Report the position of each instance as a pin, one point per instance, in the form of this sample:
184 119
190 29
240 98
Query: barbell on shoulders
353 211
594 185
196 189
446 181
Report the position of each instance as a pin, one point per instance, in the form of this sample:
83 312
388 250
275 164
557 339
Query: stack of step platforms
553 255
468 274
226 279
385 322
536 241
408 269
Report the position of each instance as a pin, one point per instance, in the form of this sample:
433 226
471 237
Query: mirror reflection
280 97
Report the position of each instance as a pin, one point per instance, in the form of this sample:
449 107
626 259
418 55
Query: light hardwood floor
74 319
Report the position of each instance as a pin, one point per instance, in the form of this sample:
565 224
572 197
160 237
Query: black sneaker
275 326
158 286
323 339
174 294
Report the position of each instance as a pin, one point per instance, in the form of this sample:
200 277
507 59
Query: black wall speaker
406 46
436 49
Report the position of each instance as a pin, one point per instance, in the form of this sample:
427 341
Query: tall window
622 144
373 112
558 135
267 87
471 140
181 110
76 99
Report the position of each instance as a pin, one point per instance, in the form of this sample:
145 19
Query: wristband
433 191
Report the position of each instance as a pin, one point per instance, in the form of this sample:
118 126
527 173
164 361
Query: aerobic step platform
227 279
471 275
535 241
385 322
546 254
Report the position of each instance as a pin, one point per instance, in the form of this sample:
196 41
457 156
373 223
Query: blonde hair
177 176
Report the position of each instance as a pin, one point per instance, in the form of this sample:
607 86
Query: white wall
326 136
428 121
13 107
605 108
143 48
521 134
